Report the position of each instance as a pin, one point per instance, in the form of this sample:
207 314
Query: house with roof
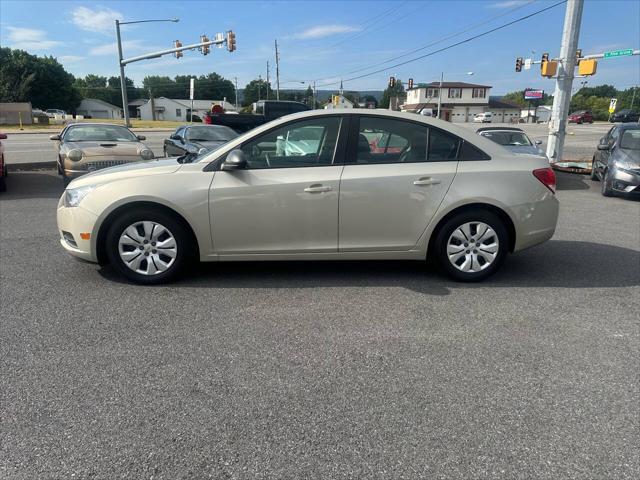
96 108
178 109
459 102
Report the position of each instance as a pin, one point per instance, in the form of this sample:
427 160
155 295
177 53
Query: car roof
496 129
630 126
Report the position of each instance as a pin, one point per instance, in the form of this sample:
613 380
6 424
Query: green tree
396 91
257 90
517 98
39 80
215 87
160 86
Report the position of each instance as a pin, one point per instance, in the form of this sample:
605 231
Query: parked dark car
3 167
625 115
583 116
617 161
197 139
263 111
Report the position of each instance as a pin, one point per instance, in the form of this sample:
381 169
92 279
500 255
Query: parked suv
625 115
484 117
583 116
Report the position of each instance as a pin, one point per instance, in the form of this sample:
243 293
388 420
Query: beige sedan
86 147
359 185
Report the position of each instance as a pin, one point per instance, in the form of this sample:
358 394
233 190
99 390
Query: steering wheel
266 158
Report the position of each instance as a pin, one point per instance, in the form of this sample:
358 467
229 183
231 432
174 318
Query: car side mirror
236 160
605 145
538 142
141 137
54 137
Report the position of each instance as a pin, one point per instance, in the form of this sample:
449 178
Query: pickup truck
263 111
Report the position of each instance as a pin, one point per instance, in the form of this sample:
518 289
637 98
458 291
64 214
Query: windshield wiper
187 158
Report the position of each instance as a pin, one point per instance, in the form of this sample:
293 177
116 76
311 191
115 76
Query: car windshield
99 133
210 134
508 138
630 140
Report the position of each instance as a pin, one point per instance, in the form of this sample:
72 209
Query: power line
466 40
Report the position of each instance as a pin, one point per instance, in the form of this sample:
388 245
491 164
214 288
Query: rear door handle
426 181
317 188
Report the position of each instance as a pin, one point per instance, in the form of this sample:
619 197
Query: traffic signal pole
123 85
564 80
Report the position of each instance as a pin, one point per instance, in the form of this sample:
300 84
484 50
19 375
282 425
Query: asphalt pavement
322 370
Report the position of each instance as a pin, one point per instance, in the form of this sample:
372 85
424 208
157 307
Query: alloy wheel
472 247
147 248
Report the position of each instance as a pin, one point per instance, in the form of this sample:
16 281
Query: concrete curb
50 131
27 167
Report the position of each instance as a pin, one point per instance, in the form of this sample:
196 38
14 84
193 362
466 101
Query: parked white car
484 117
441 192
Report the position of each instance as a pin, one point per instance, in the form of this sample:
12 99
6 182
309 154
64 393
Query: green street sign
618 53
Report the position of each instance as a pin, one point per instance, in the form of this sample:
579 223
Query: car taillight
547 177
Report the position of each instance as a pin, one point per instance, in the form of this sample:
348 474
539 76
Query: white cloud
30 39
509 3
99 20
70 58
324 31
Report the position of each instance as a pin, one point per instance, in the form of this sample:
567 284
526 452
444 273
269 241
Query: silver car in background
616 163
359 185
513 139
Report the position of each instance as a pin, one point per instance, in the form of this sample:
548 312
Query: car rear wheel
471 246
148 246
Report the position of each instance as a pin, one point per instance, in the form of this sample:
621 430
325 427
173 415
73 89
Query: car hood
106 148
137 169
630 157
525 149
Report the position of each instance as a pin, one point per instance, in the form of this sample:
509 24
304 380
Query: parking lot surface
323 370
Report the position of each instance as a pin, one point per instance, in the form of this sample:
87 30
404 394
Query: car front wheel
594 173
471 246
607 191
148 246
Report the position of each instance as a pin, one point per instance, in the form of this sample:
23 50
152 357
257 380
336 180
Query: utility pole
564 80
277 72
440 94
236 82
633 97
123 85
267 79
314 95
153 106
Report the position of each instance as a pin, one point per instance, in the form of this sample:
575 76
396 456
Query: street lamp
440 92
123 87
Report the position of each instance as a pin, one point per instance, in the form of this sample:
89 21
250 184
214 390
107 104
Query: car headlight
74 155
73 196
146 154
202 151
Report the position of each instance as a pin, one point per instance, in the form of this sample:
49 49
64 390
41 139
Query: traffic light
392 82
587 66
519 64
545 57
231 41
578 54
177 44
548 68
205 49
410 84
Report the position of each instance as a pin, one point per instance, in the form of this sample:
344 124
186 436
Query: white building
178 109
95 108
338 101
459 101
540 114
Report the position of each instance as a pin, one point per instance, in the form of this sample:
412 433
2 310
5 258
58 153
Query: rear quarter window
470 152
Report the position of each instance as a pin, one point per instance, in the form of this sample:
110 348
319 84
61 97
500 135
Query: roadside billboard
533 94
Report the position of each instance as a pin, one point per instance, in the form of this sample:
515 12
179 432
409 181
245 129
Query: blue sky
324 41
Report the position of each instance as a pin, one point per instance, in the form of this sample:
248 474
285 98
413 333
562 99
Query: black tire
444 233
184 250
607 191
3 184
594 174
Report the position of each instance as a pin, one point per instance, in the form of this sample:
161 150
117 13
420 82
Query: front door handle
426 181
317 188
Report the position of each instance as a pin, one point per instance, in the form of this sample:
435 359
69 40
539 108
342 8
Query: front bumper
76 227
625 181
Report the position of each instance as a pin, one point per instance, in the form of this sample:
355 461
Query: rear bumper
536 222
72 222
